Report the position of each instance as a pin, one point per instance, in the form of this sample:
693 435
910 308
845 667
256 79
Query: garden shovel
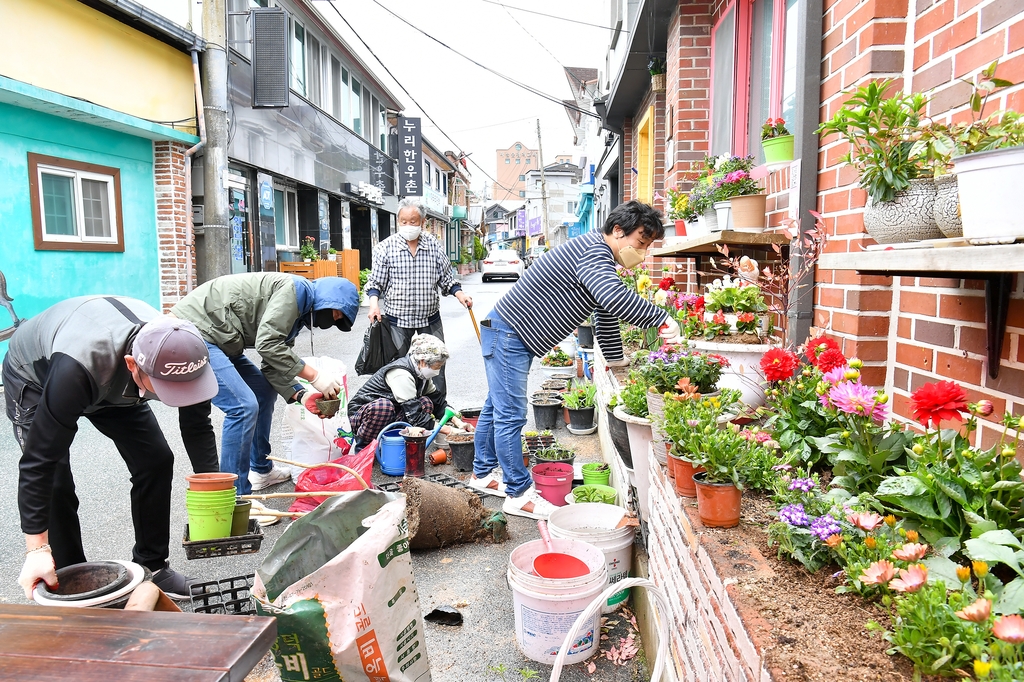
475 325
555 564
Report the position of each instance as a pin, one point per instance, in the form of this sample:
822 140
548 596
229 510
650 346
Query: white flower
660 297
717 284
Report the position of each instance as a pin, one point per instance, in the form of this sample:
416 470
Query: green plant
465 256
878 130
734 296
772 128
308 249
556 358
479 250
364 275
665 369
593 493
634 396
554 453
581 396
797 417
655 65
331 250
528 673
722 452
677 204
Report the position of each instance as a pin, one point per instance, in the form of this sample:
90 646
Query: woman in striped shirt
558 292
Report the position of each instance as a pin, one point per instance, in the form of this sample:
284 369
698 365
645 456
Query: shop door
241 231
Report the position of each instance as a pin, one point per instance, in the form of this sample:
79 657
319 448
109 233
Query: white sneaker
272 477
263 519
489 484
530 504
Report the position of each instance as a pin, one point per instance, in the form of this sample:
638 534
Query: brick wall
175 253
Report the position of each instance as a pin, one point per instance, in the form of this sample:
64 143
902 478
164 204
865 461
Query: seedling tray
443 479
231 596
236 544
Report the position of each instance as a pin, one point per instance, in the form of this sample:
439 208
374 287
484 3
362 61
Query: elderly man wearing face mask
265 311
557 293
408 269
403 390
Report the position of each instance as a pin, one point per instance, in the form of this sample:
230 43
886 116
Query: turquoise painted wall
38 279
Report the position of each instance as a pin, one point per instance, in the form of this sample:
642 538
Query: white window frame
296 81
290 228
79 215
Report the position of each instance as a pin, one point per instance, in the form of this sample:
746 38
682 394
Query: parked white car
502 263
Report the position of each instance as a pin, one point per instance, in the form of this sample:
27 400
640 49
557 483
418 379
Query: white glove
669 331
329 385
38 566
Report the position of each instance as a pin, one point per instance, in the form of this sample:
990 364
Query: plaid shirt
408 285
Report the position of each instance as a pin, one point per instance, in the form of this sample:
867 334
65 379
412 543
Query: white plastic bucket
985 180
545 608
639 432
595 523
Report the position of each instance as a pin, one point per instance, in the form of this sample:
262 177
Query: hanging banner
410 151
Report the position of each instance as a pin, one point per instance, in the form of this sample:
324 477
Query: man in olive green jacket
265 311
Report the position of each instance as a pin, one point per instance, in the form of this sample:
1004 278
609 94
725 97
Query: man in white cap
103 358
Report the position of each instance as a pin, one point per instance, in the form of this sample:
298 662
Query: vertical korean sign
410 166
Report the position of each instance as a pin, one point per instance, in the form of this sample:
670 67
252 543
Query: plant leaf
981 550
1002 537
941 568
1011 599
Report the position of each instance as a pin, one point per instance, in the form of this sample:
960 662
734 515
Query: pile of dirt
440 516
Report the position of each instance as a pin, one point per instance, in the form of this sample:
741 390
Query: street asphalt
468 577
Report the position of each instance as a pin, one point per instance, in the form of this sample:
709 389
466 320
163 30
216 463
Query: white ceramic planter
724 211
988 184
697 228
711 220
744 371
640 436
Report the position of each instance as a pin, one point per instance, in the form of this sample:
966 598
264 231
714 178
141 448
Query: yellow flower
642 282
982 669
980 568
870 542
911 536
963 573
890 520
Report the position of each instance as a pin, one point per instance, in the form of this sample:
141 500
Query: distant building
513 165
563 192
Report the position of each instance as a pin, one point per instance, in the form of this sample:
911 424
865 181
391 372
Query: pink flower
1009 629
854 397
878 573
762 436
912 551
913 579
978 612
867 521
736 176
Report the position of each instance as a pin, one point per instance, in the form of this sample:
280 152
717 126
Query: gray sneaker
272 477
174 584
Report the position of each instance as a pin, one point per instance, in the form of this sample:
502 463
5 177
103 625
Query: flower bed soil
804 630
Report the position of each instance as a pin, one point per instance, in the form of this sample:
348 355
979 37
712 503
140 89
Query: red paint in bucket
553 481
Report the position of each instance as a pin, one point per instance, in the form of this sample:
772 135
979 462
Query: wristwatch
299 397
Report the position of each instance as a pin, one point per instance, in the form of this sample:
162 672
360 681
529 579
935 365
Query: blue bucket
391 449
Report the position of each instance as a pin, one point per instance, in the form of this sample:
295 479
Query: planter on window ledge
658 82
988 181
947 206
778 151
723 211
748 212
909 217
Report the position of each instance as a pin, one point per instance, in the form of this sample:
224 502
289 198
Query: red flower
720 359
831 359
719 318
779 364
937 401
698 305
745 317
666 283
815 347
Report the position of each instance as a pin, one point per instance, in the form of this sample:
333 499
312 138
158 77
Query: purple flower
794 515
802 484
825 526
782 467
836 375
853 397
693 423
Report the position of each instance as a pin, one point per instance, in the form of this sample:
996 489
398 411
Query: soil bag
339 582
333 479
313 439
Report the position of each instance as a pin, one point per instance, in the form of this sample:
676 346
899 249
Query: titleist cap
174 357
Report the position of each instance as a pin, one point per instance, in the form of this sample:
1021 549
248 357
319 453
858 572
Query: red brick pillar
176 255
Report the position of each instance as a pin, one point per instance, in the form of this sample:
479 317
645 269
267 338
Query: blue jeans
500 427
247 400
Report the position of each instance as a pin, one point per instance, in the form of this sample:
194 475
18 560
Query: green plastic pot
210 524
778 149
607 494
592 475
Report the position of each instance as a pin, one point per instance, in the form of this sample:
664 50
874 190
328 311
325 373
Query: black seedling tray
443 479
236 544
231 596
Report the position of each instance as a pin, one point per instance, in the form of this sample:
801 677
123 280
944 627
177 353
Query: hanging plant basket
658 82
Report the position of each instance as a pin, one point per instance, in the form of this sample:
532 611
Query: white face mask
409 232
428 372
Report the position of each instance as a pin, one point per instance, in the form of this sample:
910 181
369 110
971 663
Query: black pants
402 337
140 442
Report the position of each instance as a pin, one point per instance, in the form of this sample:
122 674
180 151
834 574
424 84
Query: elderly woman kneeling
402 391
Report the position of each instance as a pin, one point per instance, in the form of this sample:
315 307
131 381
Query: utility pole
543 188
216 210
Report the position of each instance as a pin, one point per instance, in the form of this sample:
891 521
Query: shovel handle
475 325
542 526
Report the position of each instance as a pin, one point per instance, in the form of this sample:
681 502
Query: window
570 207
238 25
382 115
670 140
75 206
298 58
759 95
437 180
645 157
337 90
723 78
517 159
519 147
522 193
286 222
507 160
528 159
357 107
521 178
313 85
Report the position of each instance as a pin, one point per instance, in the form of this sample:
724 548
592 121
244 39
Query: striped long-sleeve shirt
564 287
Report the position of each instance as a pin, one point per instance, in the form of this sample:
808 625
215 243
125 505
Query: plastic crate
231 596
443 479
236 544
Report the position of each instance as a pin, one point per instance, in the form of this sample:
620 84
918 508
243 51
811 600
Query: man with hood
265 311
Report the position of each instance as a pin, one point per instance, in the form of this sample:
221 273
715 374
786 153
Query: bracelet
38 549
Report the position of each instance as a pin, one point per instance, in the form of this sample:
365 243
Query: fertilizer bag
339 582
313 438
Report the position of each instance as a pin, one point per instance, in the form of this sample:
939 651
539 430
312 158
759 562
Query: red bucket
553 481
472 416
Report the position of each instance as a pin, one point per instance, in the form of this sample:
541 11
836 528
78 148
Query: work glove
38 566
330 385
669 332
309 401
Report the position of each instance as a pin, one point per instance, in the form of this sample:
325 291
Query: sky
479 110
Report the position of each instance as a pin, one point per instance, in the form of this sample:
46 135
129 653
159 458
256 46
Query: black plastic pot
462 455
585 336
543 460
620 438
581 419
545 414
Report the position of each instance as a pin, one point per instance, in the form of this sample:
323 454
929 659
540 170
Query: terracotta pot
670 463
717 503
748 212
685 470
439 457
217 480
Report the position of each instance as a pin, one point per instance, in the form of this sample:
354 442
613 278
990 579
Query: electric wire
543 46
411 97
552 16
535 91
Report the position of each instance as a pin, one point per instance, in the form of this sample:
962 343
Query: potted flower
580 400
556 359
712 188
332 253
742 201
632 410
677 205
777 143
723 453
901 191
656 67
308 251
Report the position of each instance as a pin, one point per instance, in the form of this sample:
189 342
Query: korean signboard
534 225
410 163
